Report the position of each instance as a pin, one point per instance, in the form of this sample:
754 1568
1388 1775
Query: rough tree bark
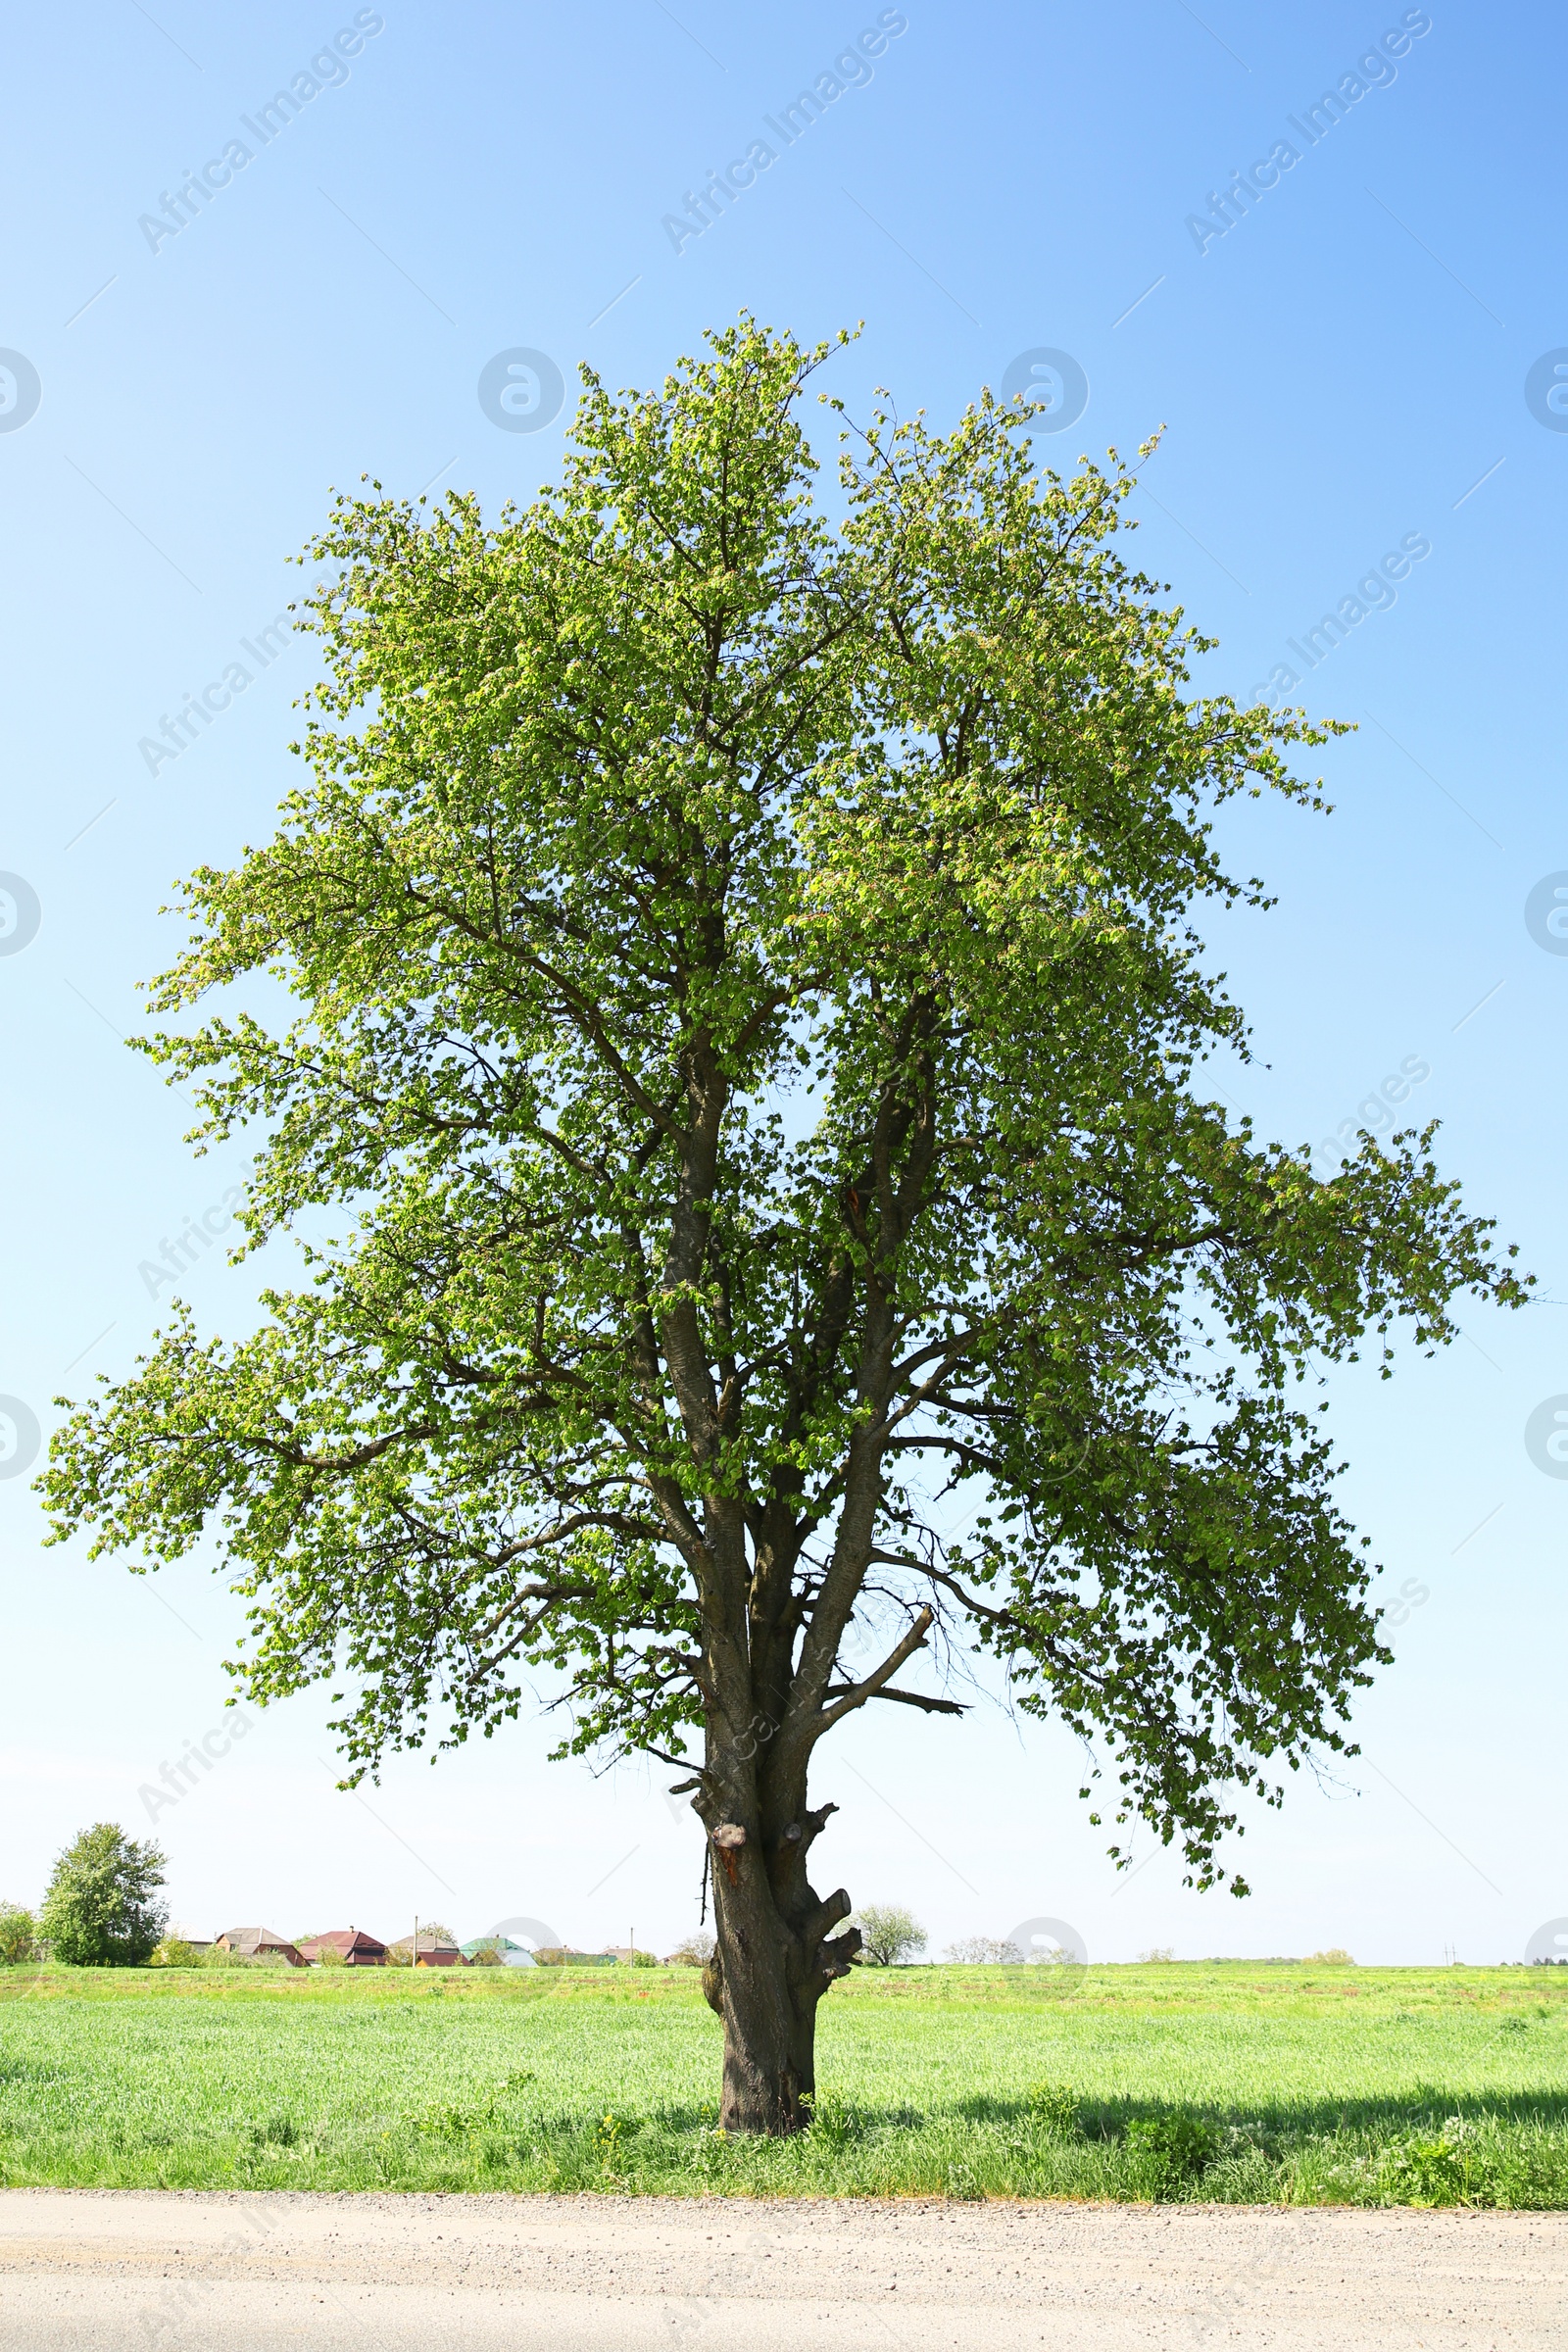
776 1953
776 1960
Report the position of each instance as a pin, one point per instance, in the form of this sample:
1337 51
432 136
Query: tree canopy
750 1008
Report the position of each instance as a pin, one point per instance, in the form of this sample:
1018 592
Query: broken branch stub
729 1837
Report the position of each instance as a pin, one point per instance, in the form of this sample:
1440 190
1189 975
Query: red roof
353 1943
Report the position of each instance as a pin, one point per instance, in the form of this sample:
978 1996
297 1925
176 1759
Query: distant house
513 1955
351 1945
258 1944
435 1951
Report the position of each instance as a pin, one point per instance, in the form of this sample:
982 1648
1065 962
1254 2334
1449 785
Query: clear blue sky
1341 373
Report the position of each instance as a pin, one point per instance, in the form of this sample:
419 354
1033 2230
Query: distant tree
694 1950
1157 1954
102 1907
487 1954
985 1951
888 1934
19 1935
175 1952
1336 1956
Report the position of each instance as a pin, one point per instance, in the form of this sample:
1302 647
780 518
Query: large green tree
751 1007
102 1908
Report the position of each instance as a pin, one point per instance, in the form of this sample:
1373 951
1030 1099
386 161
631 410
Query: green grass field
1239 2082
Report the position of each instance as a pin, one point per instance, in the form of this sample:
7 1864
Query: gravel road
136 2273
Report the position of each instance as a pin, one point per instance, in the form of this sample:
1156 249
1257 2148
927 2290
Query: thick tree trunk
769 2042
773 1964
